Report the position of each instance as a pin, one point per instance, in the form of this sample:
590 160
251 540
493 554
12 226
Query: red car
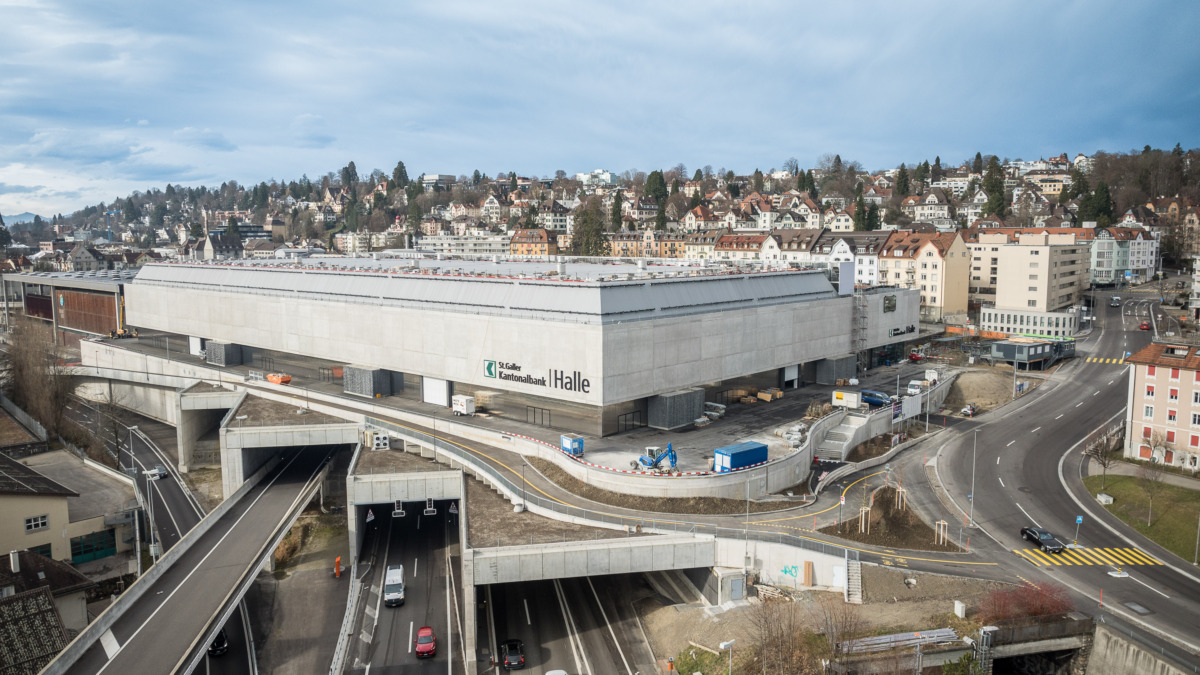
426 643
1145 325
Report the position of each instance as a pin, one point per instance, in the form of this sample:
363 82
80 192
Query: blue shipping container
572 444
738 456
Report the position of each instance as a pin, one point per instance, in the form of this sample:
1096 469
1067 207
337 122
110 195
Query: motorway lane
1017 481
194 588
176 511
419 543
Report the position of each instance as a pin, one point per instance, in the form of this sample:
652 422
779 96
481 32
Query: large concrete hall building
595 348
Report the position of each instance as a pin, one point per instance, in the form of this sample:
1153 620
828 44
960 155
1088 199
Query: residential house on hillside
937 264
217 247
1162 413
839 221
493 210
873 194
791 245
701 218
700 245
739 246
555 217
1037 276
971 208
935 207
860 248
1122 255
536 241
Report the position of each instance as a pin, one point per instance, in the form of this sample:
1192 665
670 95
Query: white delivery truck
847 399
463 405
393 586
915 387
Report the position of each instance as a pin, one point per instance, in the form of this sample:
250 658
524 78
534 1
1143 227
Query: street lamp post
729 646
131 461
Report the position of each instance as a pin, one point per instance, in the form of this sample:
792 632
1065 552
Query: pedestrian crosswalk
1099 359
1108 557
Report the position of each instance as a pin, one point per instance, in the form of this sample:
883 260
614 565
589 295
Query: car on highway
512 654
1043 538
1145 325
393 586
1115 301
220 644
426 643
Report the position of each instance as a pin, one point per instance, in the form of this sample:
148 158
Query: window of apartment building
1150 370
1170 438
1035 253
1171 416
933 288
1172 394
1174 373
37 523
1148 412
1145 432
1031 303
1033 288
1033 277
1195 441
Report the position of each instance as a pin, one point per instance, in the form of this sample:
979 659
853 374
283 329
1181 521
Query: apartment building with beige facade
1162 418
1038 280
937 264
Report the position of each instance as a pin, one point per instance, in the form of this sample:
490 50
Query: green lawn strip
1175 515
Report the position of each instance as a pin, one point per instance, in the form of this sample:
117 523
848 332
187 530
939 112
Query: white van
915 387
393 586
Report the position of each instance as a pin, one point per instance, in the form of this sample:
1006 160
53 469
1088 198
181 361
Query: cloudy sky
101 98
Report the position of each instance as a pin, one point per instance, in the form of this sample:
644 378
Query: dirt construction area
986 387
889 526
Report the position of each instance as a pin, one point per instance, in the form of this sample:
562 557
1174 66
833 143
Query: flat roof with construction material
18 479
95 280
263 412
12 433
99 493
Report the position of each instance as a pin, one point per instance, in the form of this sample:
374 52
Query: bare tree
35 377
839 621
1101 453
1150 479
781 638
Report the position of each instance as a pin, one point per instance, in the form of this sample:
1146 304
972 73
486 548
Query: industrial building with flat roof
590 347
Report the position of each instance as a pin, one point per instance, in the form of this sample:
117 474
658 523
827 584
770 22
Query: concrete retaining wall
1113 652
783 565
855 467
587 558
408 487
23 417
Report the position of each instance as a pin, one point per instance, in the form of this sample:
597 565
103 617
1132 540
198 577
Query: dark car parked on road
1042 537
512 654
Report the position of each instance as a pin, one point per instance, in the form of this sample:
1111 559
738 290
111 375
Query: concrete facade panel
598 561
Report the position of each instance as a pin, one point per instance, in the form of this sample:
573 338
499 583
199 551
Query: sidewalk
1128 469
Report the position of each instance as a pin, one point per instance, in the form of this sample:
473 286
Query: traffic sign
1078 520
370 515
843 499
453 507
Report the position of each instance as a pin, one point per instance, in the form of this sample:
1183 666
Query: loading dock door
435 391
791 377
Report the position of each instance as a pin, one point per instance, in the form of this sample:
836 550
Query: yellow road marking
1073 556
1024 554
1146 557
1042 554
1121 555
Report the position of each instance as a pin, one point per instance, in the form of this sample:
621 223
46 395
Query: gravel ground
690 505
206 485
984 386
492 522
885 585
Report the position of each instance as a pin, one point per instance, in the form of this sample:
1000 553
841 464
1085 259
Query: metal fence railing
662 525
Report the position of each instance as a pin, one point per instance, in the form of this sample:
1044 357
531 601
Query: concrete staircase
854 582
834 446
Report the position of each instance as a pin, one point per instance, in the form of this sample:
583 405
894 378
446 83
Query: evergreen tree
836 168
936 172
196 231
757 181
399 176
512 181
476 177
614 216
660 216
812 185
414 215
656 186
993 185
589 238
920 175
699 175
873 217
232 230
675 187
902 187
696 200
349 175
5 236
977 165
1097 206
860 214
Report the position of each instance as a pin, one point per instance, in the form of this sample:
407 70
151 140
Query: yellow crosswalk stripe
1025 554
1072 555
1145 558
1120 554
1099 553
1041 554
1089 554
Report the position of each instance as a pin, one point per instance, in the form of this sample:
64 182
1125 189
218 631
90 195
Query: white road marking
109 642
997 461
1059 417
571 636
528 619
1095 393
410 642
414 568
1079 404
1151 587
1009 443
1001 481
228 532
1036 430
1035 523
604 615
1111 381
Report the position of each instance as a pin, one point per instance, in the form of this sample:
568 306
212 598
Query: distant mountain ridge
26 217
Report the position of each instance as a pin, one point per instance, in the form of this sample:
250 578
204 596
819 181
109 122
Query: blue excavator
653 460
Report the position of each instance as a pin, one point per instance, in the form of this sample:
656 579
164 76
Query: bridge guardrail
91 634
610 521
